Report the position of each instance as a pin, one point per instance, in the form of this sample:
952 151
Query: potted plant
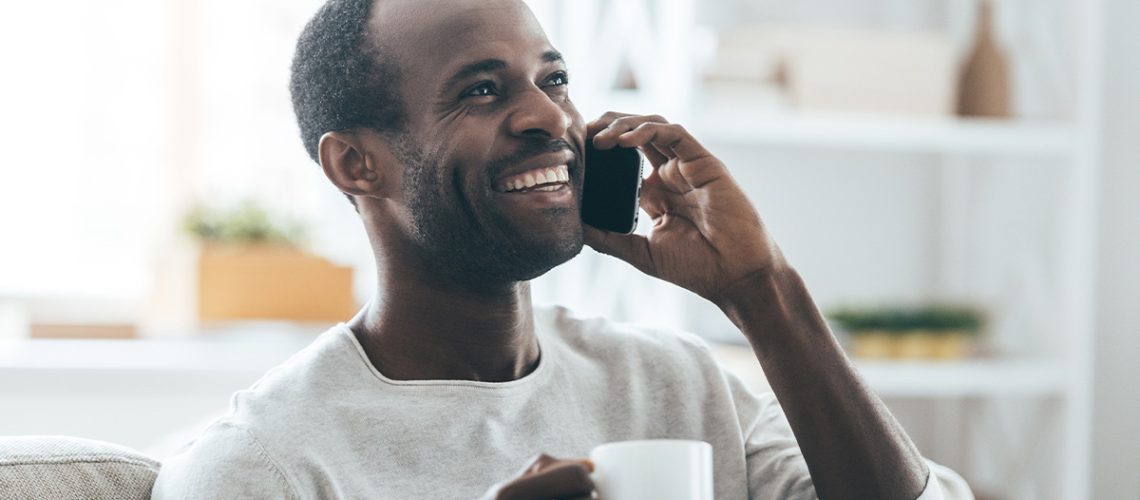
246 224
937 331
251 265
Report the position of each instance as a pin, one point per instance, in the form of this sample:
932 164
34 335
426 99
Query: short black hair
341 79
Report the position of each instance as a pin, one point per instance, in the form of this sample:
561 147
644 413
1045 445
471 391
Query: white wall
153 412
1116 455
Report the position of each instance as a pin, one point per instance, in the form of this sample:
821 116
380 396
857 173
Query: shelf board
979 377
893 134
964 378
203 354
253 356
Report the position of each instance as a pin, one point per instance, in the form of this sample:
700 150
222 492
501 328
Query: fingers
551 478
616 124
540 462
654 155
670 139
605 121
655 199
613 124
543 461
630 131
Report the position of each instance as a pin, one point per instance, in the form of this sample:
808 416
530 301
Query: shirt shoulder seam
265 457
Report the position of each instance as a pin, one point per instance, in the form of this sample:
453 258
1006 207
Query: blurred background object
13 321
901 151
985 85
930 332
252 267
837 69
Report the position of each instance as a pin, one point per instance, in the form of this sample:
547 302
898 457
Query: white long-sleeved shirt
327 425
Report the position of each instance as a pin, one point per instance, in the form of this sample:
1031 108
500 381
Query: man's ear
357 164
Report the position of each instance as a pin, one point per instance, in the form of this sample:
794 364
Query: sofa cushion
36 467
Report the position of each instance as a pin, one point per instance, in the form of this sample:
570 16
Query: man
449 125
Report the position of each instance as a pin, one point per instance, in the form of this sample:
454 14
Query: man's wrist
750 287
763 302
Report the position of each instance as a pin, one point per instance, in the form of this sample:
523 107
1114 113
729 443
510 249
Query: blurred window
119 114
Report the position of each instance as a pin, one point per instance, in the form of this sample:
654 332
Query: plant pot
951 345
911 345
271 282
917 344
873 345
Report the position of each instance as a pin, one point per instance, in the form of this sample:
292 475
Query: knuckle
539 462
622 120
657 118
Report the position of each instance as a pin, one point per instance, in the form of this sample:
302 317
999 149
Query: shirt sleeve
225 462
945 484
776 467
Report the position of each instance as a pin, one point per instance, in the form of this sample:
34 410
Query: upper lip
564 157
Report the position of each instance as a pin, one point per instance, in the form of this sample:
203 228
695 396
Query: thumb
632 248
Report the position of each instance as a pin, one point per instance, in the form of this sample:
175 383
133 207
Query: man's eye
481 90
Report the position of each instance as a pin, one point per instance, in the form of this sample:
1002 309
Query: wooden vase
984 89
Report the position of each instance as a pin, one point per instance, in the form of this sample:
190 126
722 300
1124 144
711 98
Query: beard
462 233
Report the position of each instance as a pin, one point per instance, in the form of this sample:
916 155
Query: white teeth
538 177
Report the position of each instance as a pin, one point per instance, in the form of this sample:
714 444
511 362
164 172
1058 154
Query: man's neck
414 332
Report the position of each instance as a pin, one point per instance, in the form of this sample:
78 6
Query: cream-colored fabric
327 425
66 468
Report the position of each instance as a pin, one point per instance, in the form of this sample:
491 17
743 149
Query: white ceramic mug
657 469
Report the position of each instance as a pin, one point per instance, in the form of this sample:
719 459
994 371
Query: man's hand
706 235
547 477
708 238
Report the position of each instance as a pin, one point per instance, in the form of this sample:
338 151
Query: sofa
68 468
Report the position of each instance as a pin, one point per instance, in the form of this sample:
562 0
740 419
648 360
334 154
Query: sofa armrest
34 467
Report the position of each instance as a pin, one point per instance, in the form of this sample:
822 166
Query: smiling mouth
539 179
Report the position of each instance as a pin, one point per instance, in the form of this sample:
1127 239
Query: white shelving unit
887 134
1021 418
977 378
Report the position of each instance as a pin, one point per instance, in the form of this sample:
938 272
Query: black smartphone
611 188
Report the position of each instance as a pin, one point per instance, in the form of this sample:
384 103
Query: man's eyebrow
475 68
552 56
489 65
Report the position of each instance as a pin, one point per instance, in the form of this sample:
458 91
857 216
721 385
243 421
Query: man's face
488 114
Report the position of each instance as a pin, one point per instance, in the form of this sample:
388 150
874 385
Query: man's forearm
854 448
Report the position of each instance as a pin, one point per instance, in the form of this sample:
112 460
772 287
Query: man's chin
542 258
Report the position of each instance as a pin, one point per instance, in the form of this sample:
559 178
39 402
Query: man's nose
537 114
